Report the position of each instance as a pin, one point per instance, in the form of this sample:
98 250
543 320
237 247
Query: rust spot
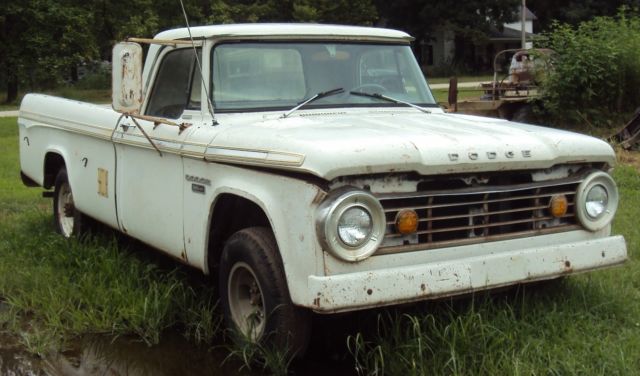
316 302
369 292
423 287
567 264
602 254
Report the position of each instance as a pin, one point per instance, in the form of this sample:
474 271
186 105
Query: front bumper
351 291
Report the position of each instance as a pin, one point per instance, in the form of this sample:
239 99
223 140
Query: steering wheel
378 87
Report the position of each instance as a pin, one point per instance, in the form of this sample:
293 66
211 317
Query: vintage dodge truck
309 169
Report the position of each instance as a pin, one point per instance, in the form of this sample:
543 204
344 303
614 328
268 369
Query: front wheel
68 220
254 293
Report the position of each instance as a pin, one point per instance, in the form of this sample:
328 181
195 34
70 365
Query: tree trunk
12 88
74 73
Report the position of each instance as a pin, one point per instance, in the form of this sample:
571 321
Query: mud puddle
174 355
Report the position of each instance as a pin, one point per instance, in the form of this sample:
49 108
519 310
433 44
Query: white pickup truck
309 168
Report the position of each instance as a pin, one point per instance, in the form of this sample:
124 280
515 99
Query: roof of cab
286 30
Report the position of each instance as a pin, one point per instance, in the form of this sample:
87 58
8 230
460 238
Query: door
149 176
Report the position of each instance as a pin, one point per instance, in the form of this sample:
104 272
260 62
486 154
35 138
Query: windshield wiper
313 98
389 99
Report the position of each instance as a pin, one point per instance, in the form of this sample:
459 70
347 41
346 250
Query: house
443 49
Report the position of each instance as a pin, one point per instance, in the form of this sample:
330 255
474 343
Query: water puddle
100 355
105 355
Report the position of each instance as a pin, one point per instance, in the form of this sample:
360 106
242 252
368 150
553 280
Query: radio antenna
195 53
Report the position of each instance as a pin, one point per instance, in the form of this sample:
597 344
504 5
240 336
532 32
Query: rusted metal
475 214
485 213
483 189
126 79
494 224
164 42
146 135
503 96
483 239
479 202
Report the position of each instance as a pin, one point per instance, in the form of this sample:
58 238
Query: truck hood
330 145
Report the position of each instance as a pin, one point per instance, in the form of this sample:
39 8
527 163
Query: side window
177 85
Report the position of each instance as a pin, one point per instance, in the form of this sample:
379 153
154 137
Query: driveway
9 113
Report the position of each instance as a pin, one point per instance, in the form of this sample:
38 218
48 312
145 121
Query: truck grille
477 214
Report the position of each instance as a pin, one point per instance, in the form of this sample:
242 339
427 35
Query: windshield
274 76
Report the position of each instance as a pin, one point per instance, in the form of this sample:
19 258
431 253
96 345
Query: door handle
125 126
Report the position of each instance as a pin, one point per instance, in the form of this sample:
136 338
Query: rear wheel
68 220
254 293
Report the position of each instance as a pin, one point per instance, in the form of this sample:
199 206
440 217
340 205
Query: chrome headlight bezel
329 214
594 179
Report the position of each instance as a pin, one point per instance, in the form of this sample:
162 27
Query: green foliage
596 71
41 39
359 12
468 18
254 356
575 11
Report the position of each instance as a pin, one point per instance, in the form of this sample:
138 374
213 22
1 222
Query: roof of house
508 34
528 14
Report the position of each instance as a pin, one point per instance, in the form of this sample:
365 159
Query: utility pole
523 22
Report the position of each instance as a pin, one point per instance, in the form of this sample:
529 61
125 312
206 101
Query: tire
68 220
254 294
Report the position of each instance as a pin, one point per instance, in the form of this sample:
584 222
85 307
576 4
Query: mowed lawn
587 324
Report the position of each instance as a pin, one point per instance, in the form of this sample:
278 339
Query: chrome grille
477 214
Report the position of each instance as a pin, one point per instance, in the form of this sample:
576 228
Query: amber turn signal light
558 205
407 221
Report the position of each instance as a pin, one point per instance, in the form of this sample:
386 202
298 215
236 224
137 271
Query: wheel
68 220
254 294
381 89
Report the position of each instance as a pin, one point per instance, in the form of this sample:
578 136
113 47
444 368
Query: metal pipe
523 22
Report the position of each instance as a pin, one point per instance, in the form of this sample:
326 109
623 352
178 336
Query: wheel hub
246 301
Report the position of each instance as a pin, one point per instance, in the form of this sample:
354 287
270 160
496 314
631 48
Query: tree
573 12
42 39
470 20
596 70
354 12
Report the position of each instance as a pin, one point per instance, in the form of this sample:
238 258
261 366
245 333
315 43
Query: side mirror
126 77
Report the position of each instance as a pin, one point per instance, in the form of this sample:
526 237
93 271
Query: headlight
351 224
597 201
354 226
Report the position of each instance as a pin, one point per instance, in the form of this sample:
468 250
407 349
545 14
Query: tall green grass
58 288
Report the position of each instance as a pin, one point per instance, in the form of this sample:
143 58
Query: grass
445 80
57 289
587 324
442 95
85 95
